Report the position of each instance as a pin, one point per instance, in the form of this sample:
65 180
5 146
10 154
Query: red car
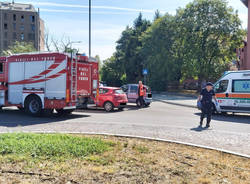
111 97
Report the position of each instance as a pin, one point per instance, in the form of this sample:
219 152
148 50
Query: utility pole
89 28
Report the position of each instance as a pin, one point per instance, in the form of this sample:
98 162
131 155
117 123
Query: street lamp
70 43
71 50
89 28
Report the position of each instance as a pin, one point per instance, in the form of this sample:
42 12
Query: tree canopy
198 42
19 47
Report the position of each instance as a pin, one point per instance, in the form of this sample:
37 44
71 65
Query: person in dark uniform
205 97
141 93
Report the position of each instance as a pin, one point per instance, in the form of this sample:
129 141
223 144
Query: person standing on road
205 97
141 93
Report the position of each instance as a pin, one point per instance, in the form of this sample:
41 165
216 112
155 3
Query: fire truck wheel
64 112
108 106
33 105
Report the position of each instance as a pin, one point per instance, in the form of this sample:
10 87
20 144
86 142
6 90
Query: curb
148 138
177 93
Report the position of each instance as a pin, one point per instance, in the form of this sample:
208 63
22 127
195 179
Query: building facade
244 53
20 22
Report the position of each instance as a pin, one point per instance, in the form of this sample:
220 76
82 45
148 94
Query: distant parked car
190 84
131 91
102 84
111 97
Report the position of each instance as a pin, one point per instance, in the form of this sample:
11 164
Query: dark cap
209 84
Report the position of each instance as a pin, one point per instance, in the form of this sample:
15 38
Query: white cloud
94 7
244 18
84 12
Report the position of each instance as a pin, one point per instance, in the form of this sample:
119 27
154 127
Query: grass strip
51 145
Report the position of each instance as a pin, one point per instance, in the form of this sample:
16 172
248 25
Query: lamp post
71 49
89 28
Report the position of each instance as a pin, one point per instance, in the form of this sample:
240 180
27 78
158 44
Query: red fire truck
42 82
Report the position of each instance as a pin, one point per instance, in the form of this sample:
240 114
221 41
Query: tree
210 31
111 73
159 51
157 15
128 50
62 44
198 42
19 47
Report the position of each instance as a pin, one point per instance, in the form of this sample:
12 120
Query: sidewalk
177 99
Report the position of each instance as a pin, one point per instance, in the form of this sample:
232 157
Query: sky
109 18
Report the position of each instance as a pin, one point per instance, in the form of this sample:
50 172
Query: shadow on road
236 118
199 129
15 118
102 111
173 103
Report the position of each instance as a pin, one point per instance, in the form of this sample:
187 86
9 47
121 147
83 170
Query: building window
6 35
31 36
5 44
14 17
14 36
22 18
22 27
14 26
5 26
5 16
1 67
241 86
32 18
32 27
22 36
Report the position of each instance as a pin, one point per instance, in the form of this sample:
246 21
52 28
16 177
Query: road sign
145 72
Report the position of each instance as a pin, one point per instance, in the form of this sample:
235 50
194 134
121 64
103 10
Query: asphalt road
161 120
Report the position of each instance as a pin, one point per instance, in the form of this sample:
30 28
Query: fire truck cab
42 82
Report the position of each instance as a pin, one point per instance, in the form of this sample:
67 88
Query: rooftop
245 2
17 6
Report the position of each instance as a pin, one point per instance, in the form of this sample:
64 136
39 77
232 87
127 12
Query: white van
233 92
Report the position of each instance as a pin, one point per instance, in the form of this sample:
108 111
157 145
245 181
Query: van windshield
221 86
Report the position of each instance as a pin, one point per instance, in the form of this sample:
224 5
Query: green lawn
60 158
50 146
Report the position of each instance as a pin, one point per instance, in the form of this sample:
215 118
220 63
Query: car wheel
108 106
33 105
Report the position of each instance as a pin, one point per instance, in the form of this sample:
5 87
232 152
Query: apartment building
20 22
244 53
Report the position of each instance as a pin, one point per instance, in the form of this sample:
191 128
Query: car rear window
133 89
119 91
103 90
